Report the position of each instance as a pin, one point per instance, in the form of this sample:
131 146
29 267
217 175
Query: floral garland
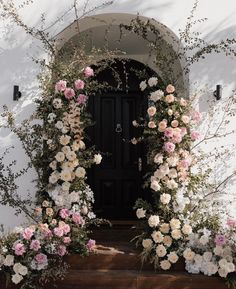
65 201
169 231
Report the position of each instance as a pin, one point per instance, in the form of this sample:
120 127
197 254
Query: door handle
118 128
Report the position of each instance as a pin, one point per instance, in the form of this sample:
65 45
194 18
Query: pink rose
82 98
64 213
91 244
41 259
183 101
19 249
231 222
35 245
47 233
58 231
174 123
169 147
195 135
185 119
151 111
177 138
152 124
162 126
69 93
183 131
66 229
79 84
66 240
169 98
170 88
169 132
77 219
28 233
88 72
60 86
196 115
185 163
220 240
61 251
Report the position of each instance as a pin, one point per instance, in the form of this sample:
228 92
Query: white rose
152 81
156 95
75 146
223 263
97 159
157 237
53 165
82 145
66 149
218 251
147 243
53 178
20 269
153 221
165 198
222 272
16 278
207 256
161 251
165 265
158 159
64 140
74 197
172 173
164 169
173 257
171 184
188 254
198 259
155 186
66 175
60 157
173 161
140 213
9 261
71 156
204 240
176 234
230 267
227 252
167 241
175 223
187 229
65 186
80 172
143 85
165 228
59 125
65 130
212 268
159 174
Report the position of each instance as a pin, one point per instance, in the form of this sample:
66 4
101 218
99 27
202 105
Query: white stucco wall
16 50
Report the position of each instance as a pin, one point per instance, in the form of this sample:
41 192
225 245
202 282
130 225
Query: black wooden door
117 182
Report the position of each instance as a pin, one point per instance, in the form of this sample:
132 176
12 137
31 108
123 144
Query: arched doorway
118 181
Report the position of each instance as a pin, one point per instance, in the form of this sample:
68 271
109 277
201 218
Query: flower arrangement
169 228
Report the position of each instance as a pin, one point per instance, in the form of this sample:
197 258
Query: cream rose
9 261
157 237
175 224
165 265
140 213
162 126
60 157
185 119
165 228
80 172
151 110
64 140
165 198
65 175
66 149
155 186
170 88
174 123
188 254
167 241
152 124
71 156
158 159
153 221
16 278
187 229
147 243
176 234
97 159
161 251
169 98
173 257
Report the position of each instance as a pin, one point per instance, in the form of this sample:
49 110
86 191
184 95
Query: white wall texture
17 67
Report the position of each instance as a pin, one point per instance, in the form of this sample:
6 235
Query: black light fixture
16 92
218 92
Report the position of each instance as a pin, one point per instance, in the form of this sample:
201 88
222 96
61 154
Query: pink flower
231 222
35 245
220 240
82 98
61 251
66 229
195 135
88 72
64 213
79 84
170 88
58 231
91 244
185 163
196 115
47 233
169 147
66 240
69 93
177 138
19 249
41 259
183 131
60 86
152 124
28 233
77 218
169 132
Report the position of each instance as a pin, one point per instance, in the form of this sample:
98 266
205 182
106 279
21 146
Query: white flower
82 145
71 156
140 213
158 159
188 254
171 184
65 130
153 221
143 85
204 240
223 272
80 172
66 149
59 125
165 228
165 265
18 230
97 159
212 268
64 140
198 259
152 81
218 251
176 234
155 186
65 186
186 229
135 123
16 278
156 95
230 267
66 175
20 269
74 197
159 174
53 165
175 223
173 257
147 243
161 251
223 263
51 117
164 169
9 261
207 256
2 259
173 161
167 241
227 252
57 103
165 198
60 157
157 236
53 178
172 173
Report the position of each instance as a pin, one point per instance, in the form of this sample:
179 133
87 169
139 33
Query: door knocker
118 128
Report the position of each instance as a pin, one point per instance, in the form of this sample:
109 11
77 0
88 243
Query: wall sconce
16 92
218 92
